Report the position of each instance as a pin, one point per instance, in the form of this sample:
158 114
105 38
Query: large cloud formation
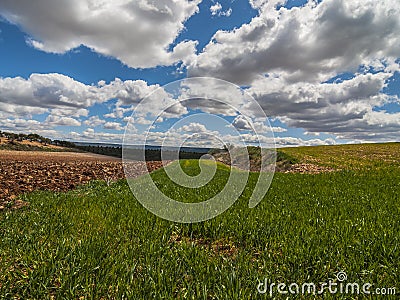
138 32
345 108
309 43
288 58
41 92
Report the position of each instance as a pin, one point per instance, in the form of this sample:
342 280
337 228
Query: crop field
345 157
98 242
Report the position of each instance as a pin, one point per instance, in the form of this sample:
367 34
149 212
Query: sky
292 72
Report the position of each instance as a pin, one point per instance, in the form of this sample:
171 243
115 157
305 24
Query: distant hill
32 142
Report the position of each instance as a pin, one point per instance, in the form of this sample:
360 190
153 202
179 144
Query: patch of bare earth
27 171
224 247
307 168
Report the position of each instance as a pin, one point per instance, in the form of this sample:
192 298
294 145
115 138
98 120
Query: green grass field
98 242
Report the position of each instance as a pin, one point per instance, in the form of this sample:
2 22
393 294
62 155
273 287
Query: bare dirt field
26 171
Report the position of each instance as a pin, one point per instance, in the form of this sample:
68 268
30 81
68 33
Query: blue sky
323 72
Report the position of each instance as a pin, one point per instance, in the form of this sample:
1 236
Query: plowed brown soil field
26 171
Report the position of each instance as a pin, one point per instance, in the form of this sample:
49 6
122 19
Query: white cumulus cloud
113 126
137 32
310 43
